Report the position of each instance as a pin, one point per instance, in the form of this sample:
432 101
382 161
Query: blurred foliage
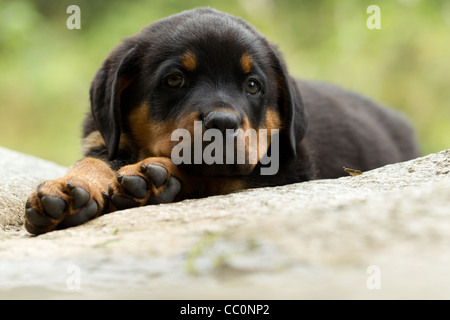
46 69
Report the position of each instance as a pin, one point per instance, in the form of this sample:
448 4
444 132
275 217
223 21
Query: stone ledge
19 176
307 240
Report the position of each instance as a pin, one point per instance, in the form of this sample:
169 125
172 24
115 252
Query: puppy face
197 71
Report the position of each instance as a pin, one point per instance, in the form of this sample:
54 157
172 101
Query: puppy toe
35 219
54 206
157 174
121 202
169 193
80 197
135 186
86 213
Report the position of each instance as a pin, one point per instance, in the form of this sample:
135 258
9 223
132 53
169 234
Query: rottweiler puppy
201 104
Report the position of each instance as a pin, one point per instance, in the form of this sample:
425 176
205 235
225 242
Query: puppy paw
147 182
63 203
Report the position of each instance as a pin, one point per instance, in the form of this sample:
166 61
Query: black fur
323 127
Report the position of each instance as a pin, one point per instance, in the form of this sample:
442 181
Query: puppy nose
221 120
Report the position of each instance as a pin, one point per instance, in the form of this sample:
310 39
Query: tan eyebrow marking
189 61
246 62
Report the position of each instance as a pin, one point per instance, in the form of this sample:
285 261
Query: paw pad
169 193
157 174
54 206
87 212
80 197
135 186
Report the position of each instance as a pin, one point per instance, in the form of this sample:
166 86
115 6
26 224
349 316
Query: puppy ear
290 105
111 80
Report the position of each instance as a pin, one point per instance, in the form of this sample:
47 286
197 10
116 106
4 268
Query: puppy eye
175 81
252 86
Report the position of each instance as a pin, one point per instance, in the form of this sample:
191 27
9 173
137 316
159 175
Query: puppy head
198 67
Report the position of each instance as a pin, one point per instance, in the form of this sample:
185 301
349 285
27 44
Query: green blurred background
46 69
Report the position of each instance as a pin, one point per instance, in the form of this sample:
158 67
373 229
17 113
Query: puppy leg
71 200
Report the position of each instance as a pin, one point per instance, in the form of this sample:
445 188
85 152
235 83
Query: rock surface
19 176
383 234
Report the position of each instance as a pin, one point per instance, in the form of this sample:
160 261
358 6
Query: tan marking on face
186 122
273 121
154 137
250 138
262 143
189 61
246 62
